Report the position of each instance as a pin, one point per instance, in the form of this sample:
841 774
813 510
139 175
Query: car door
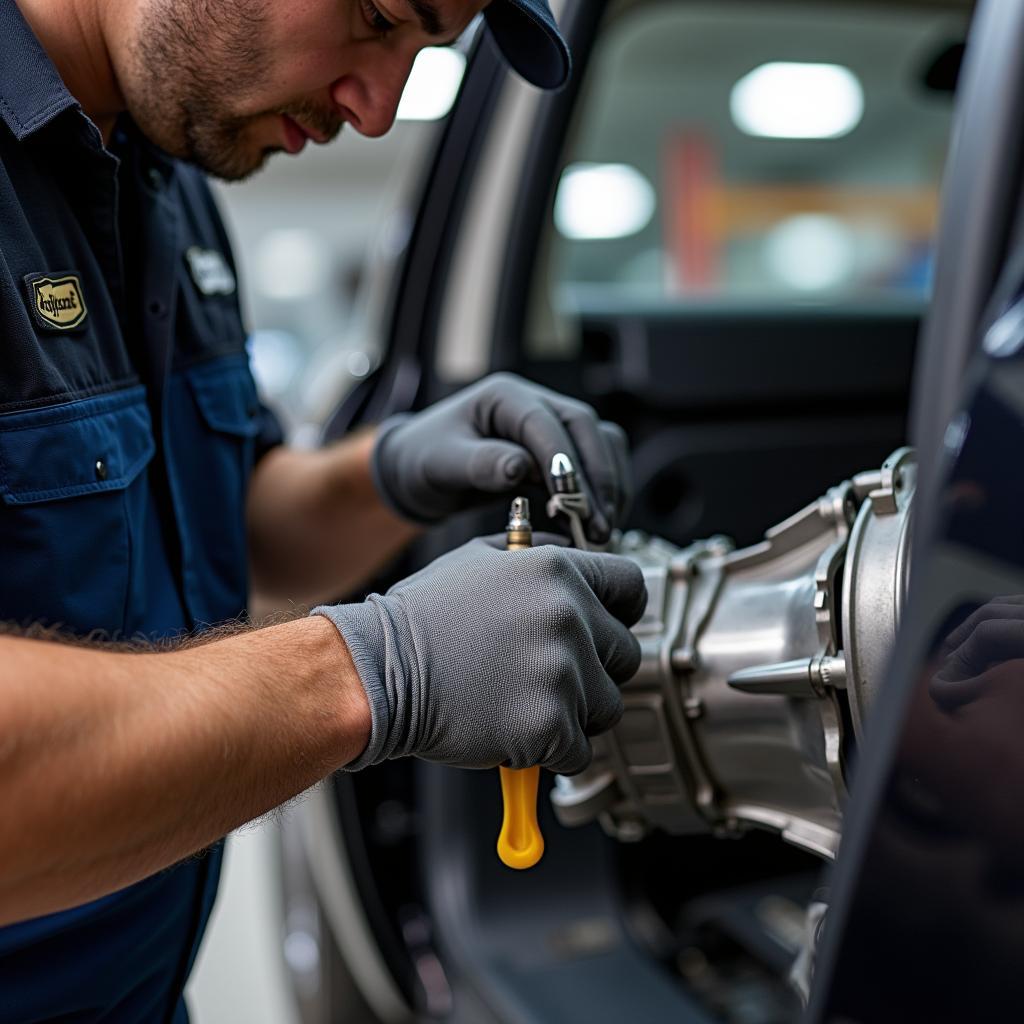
744 297
933 836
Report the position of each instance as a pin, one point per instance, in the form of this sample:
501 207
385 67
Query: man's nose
371 93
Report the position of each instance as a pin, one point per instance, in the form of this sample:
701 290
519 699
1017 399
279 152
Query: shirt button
157 309
155 178
101 470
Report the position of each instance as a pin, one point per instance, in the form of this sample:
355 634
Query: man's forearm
317 527
116 765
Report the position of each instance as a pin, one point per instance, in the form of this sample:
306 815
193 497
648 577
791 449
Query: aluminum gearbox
759 669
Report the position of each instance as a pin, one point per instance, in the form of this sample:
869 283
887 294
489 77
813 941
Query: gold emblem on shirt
59 302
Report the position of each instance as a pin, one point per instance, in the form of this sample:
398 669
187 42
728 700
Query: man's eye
375 18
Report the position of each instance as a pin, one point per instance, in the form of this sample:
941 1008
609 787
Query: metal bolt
685 659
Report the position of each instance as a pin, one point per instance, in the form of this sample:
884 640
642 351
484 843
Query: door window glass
750 152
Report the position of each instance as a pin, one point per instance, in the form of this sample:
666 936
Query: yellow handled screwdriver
520 844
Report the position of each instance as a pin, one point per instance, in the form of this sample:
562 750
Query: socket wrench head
563 475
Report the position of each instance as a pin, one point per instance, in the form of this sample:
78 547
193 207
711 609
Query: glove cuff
364 635
379 468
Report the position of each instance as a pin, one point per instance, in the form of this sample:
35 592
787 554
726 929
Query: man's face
224 83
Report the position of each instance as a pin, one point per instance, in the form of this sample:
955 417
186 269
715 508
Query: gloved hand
488 439
490 657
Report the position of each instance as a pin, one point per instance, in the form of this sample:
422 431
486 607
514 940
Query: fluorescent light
433 84
603 201
811 252
784 100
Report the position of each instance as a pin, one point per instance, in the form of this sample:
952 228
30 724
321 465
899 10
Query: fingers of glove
618 650
618 445
530 415
571 756
617 582
604 706
494 465
470 463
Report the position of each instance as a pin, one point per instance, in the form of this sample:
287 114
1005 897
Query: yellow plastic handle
520 844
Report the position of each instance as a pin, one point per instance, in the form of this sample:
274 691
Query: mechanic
140 476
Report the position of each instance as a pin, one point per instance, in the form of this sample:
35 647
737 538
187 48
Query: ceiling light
811 252
783 100
433 84
603 201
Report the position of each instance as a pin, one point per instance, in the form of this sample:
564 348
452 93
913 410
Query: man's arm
134 761
317 526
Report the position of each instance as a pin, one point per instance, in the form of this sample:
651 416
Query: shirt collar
32 93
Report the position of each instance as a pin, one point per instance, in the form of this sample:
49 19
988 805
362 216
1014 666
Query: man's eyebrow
428 17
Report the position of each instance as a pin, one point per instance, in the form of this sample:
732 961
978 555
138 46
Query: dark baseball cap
528 36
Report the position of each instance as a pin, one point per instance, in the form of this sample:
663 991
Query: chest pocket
212 426
73 489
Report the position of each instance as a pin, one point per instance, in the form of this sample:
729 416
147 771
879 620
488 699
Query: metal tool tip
561 465
563 474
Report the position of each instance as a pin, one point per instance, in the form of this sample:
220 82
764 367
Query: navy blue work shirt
129 426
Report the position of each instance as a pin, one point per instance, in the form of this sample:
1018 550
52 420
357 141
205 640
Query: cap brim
528 36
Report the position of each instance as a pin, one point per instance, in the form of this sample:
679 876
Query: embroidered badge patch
210 271
56 301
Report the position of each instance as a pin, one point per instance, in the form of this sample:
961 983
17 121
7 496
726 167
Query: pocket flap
96 444
226 395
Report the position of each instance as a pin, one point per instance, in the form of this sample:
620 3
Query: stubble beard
189 55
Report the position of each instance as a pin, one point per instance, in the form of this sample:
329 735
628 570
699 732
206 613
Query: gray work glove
490 657
489 438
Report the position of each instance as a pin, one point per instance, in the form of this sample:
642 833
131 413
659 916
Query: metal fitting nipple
519 514
519 531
